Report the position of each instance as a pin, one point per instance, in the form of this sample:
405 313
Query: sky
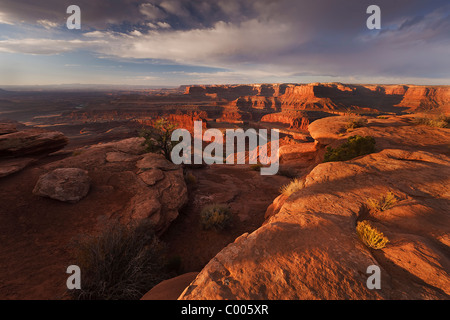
179 42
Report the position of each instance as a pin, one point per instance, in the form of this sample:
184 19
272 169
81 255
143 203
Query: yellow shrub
385 202
294 186
370 236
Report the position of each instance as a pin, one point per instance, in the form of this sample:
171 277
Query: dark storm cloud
319 37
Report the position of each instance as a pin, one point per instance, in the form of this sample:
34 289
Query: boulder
328 130
65 184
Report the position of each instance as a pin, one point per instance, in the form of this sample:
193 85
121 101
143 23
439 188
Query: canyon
301 246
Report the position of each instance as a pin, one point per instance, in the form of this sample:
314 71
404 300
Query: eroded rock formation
308 247
153 187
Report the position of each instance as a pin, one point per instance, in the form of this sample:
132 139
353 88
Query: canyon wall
334 97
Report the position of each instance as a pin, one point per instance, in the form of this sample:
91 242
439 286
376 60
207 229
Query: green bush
355 146
370 236
121 263
215 216
158 138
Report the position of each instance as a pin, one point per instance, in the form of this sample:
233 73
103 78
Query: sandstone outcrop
20 148
308 247
31 141
152 187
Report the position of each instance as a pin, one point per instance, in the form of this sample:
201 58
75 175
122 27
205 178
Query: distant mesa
329 96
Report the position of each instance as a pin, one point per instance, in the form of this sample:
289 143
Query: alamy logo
73 281
74 21
374 21
374 281
213 153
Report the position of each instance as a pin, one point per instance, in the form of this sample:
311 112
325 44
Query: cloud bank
282 38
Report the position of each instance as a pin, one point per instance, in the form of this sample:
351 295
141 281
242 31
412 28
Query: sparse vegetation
294 186
158 138
355 146
355 123
77 152
434 121
385 202
190 179
370 236
121 263
215 216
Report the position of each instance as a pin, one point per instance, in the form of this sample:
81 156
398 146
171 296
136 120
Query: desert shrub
294 186
355 123
158 138
256 167
190 179
215 216
434 121
384 202
355 146
370 236
121 263
77 153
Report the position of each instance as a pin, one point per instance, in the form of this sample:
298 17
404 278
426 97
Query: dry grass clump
383 203
294 186
433 121
370 236
215 216
355 123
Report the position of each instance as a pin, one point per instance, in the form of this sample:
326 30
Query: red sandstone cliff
334 97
